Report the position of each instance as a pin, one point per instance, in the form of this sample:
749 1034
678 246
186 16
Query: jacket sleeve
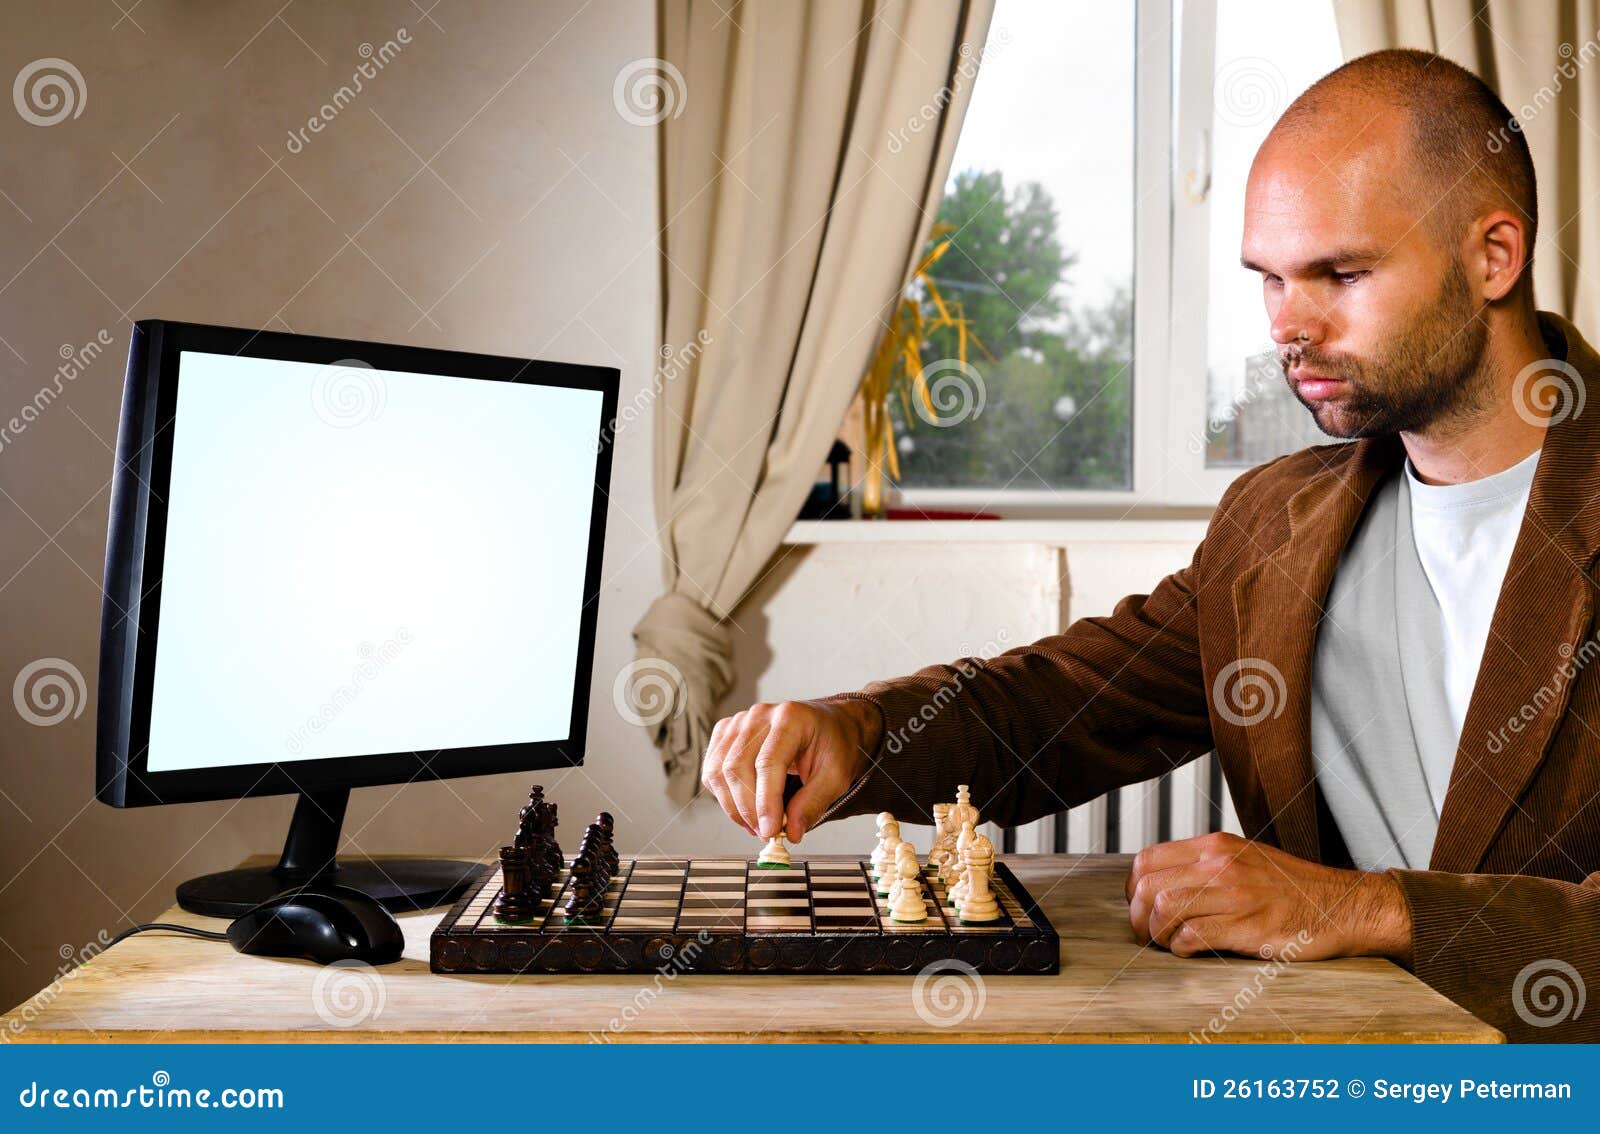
1517 951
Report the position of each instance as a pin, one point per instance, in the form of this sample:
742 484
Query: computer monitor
333 564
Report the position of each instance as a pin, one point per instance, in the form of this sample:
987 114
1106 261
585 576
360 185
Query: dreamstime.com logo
949 992
348 393
73 963
676 962
48 91
647 691
347 994
374 659
1547 392
647 92
1248 691
674 363
48 691
956 390
1249 91
1548 992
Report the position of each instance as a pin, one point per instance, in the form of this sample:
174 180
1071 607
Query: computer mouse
324 924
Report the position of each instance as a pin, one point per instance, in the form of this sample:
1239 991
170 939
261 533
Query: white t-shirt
1464 534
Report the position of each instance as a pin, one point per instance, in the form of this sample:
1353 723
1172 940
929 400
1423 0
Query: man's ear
1501 254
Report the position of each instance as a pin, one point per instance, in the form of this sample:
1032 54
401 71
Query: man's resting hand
826 743
1224 893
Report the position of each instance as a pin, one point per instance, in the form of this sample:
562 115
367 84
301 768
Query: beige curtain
1543 58
801 171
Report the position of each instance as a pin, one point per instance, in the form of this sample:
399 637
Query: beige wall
533 234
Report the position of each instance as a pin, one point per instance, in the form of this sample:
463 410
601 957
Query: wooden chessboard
728 915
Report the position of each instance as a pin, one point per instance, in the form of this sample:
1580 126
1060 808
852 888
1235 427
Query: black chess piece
541 881
604 825
529 819
517 901
580 899
548 821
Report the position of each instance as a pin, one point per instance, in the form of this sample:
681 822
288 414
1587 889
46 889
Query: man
1385 641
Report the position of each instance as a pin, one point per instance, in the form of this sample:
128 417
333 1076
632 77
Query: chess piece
907 905
889 875
775 855
958 891
888 835
941 821
580 895
547 829
905 858
962 812
606 827
528 819
979 905
517 901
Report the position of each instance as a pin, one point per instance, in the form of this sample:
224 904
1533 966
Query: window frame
1175 57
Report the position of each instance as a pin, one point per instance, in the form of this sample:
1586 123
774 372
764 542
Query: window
1127 355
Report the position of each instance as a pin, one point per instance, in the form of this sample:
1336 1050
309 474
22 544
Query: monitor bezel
135 547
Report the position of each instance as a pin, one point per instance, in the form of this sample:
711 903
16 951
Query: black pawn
580 897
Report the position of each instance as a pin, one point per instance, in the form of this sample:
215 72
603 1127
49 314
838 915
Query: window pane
1039 210
1268 51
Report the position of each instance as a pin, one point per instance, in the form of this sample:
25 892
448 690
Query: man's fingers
1216 932
812 800
1178 905
779 748
711 767
1148 887
739 773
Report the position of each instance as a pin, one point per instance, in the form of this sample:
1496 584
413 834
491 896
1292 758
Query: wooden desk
176 989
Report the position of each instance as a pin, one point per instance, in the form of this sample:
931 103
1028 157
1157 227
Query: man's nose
1298 318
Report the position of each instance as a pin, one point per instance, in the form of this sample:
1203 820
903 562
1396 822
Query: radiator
1190 801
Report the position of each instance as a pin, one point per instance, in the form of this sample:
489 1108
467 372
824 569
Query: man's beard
1434 374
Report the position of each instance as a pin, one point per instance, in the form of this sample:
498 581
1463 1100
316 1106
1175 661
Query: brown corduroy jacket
1511 895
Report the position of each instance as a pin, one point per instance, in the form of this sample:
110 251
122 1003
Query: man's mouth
1317 387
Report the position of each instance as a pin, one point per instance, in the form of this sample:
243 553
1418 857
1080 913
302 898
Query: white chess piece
905 858
775 853
939 852
978 904
890 876
888 836
908 904
958 892
962 812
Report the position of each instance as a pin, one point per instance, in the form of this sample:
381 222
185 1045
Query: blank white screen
366 561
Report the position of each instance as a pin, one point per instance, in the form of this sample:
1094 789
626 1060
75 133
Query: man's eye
1348 277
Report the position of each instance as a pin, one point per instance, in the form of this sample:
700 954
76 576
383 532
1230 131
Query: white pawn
891 871
888 836
907 904
958 892
978 904
904 855
775 854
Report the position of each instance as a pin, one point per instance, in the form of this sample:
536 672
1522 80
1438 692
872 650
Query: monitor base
400 885
309 860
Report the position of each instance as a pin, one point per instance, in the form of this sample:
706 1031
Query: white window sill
1160 527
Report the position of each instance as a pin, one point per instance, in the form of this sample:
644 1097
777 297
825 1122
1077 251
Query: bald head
1460 148
1391 214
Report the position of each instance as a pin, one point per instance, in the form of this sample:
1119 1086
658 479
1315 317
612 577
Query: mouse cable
167 925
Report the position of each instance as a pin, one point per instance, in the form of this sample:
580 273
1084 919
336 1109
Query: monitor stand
308 860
